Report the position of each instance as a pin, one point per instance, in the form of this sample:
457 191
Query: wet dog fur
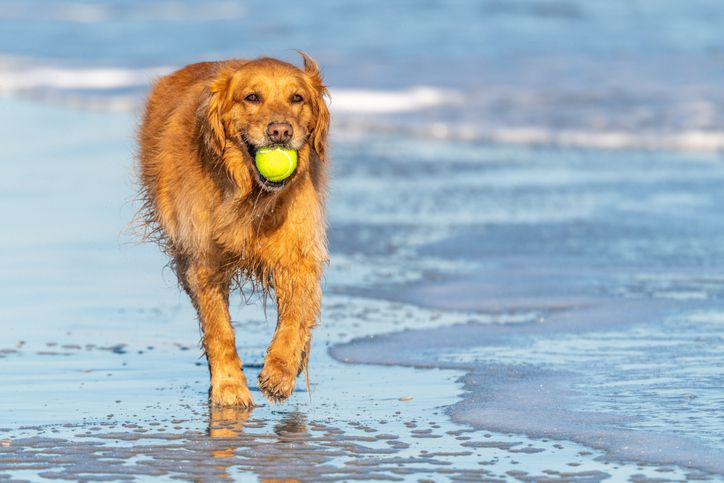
222 223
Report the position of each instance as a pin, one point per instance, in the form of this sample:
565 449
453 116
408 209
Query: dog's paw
276 380
230 394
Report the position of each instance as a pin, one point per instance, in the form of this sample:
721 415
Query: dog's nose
279 132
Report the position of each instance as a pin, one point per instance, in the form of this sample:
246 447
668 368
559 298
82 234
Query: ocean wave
416 111
653 140
17 76
369 101
98 88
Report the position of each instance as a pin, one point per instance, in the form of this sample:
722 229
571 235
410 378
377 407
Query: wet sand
437 274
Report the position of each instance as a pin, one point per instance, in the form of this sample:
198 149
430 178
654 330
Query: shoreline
537 401
113 347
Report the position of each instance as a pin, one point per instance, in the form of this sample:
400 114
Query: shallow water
102 375
69 424
616 256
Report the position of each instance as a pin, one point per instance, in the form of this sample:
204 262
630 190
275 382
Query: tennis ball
276 163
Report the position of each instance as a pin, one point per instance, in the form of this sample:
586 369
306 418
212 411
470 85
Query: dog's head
266 102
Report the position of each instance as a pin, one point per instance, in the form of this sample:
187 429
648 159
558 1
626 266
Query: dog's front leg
299 295
210 295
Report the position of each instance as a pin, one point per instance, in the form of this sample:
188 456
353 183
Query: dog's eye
253 97
296 99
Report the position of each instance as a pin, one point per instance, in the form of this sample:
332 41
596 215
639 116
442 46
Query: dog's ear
320 124
214 100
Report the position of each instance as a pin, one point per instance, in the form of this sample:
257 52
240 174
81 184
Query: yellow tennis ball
276 163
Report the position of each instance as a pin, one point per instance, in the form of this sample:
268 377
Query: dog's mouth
266 184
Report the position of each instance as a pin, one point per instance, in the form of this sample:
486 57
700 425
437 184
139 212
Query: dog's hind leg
209 292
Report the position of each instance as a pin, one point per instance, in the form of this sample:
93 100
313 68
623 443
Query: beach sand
491 313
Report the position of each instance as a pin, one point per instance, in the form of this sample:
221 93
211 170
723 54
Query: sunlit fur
209 210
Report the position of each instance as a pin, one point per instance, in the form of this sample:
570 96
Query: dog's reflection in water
293 423
226 427
227 423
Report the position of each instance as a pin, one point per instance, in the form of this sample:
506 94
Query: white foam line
18 78
364 101
710 141
691 140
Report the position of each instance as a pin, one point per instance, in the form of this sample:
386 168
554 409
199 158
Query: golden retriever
222 223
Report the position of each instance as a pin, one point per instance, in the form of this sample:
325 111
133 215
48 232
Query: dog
222 223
